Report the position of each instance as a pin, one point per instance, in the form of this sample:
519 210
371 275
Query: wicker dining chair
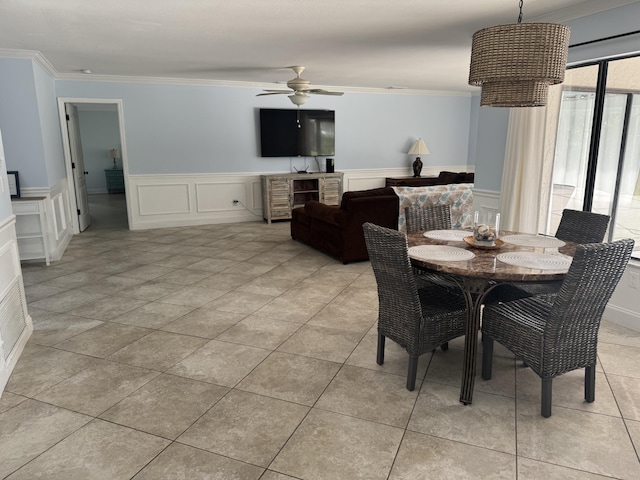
582 227
422 219
575 226
562 335
418 319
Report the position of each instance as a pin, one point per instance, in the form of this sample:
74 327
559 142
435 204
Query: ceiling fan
301 89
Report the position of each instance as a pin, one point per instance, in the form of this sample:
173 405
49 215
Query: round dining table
479 269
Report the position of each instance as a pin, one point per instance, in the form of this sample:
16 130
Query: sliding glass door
596 163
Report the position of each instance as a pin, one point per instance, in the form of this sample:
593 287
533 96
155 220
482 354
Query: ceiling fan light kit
299 98
515 63
300 89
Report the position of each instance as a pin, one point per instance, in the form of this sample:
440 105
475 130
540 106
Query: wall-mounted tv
291 133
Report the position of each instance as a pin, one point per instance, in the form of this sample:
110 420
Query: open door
77 165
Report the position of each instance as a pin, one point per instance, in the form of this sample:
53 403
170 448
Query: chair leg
545 410
412 373
445 346
590 383
487 356
380 358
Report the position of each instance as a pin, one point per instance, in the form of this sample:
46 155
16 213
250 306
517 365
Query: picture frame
14 184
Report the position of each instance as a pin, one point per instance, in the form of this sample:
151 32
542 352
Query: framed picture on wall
14 184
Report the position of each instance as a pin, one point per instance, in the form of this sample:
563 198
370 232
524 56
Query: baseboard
622 316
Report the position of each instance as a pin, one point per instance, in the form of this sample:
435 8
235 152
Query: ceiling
419 45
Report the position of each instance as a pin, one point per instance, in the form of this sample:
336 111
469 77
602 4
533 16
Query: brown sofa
337 231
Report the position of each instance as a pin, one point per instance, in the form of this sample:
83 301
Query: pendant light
515 63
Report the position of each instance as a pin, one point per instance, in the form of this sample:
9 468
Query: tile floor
232 352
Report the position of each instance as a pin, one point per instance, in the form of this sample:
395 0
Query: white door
77 165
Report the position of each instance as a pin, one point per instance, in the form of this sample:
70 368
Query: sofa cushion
458 196
374 192
446 178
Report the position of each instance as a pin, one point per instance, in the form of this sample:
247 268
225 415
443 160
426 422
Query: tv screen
291 133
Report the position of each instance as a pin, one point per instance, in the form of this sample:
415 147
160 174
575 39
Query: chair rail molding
170 200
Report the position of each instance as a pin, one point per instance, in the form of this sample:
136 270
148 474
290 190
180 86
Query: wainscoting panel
486 200
219 196
163 199
15 322
159 201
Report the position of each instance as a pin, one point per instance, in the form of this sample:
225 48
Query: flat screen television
292 133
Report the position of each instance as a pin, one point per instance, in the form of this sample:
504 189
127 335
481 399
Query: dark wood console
443 179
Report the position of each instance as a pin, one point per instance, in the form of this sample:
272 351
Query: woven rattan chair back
575 226
582 227
398 300
562 335
571 331
423 218
418 319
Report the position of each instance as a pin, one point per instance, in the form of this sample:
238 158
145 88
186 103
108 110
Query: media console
282 192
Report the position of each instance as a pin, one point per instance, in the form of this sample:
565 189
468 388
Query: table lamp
114 153
418 148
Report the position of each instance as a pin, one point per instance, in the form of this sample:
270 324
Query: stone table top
485 265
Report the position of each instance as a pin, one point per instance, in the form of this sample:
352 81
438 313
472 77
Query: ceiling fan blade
274 92
319 91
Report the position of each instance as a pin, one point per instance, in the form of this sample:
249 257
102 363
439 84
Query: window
596 165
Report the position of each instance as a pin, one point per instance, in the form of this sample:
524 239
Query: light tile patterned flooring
232 352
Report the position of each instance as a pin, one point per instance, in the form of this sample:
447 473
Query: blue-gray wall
203 129
20 122
52 154
99 133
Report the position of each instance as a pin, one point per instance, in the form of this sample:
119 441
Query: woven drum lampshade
515 63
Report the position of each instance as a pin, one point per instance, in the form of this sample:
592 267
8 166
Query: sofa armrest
326 213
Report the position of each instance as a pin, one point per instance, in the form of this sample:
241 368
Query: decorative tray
540 261
472 242
447 235
533 241
440 253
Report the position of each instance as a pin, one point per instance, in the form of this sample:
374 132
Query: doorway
96 162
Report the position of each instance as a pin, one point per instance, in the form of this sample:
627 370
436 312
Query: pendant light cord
520 16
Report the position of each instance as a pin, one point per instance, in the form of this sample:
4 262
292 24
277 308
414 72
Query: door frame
67 152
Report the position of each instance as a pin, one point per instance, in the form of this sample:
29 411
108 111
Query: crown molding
50 69
256 85
34 55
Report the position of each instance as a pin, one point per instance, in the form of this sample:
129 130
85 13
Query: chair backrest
432 217
582 227
399 303
577 310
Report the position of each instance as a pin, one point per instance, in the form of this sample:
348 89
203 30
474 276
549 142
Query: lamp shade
114 153
515 64
418 148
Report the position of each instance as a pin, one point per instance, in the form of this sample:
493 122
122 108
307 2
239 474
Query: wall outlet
236 202
634 280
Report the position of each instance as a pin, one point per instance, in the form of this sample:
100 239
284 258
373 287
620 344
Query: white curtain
528 166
